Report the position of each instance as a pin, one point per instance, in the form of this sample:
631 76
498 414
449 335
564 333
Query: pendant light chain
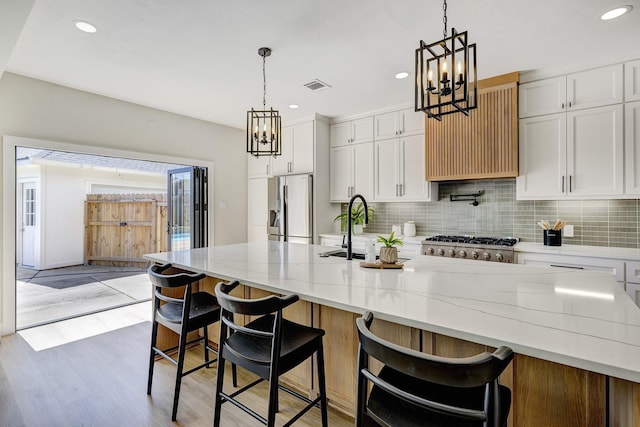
264 82
444 19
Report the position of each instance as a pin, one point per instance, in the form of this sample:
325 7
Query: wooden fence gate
120 228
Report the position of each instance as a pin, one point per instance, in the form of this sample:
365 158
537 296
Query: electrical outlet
568 230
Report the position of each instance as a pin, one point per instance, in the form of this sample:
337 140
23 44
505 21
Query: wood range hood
483 145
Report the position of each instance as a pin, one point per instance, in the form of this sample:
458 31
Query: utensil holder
552 237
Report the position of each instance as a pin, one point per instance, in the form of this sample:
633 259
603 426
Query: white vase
409 229
357 229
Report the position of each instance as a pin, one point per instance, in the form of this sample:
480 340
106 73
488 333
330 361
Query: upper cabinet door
341 134
363 170
386 170
595 88
543 97
632 147
386 125
297 150
352 132
632 81
341 178
280 164
412 122
594 152
542 157
412 176
258 167
362 130
398 123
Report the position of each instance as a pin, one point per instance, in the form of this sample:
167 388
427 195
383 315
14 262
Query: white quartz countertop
632 254
577 318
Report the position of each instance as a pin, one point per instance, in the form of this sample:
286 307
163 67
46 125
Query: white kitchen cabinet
633 281
297 150
397 123
399 170
351 132
351 172
632 81
258 166
612 266
543 157
257 205
573 155
632 148
543 97
585 89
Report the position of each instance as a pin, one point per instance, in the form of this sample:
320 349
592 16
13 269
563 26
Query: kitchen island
571 330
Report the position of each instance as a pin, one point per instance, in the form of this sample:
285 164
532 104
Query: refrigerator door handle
285 211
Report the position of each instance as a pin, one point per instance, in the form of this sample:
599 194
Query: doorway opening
83 224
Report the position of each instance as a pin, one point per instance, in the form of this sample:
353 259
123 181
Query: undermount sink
343 254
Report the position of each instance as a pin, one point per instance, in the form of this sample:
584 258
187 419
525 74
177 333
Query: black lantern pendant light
446 80
264 131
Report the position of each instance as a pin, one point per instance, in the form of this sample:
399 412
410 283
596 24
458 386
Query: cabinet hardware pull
401 189
566 266
569 104
562 107
563 183
570 189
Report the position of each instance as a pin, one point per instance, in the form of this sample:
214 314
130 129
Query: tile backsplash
597 222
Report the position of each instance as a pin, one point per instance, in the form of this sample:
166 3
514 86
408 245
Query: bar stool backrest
476 371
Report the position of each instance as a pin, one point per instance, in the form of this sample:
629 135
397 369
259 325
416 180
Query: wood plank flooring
101 381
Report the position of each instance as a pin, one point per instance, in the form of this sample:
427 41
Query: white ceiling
199 57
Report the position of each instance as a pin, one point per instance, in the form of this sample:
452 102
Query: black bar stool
193 311
268 346
418 389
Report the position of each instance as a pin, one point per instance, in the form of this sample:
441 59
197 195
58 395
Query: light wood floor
101 381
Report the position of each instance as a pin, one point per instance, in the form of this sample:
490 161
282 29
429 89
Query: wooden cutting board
380 265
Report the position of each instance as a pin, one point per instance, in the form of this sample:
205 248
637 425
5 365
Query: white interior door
29 221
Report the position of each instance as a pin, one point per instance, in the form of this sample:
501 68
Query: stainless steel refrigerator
290 208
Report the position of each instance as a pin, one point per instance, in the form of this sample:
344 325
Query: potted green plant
357 218
389 253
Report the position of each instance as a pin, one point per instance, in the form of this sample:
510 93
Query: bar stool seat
268 346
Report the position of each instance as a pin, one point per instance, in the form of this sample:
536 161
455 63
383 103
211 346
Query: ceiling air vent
317 85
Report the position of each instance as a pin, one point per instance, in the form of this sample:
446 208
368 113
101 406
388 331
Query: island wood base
543 393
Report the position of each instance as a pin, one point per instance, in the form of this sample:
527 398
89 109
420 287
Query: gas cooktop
473 240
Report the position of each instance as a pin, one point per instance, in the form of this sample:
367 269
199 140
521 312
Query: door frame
9 200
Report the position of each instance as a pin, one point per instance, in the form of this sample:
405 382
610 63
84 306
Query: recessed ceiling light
614 13
402 75
85 26
294 106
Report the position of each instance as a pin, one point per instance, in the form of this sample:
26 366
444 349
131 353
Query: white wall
36 109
